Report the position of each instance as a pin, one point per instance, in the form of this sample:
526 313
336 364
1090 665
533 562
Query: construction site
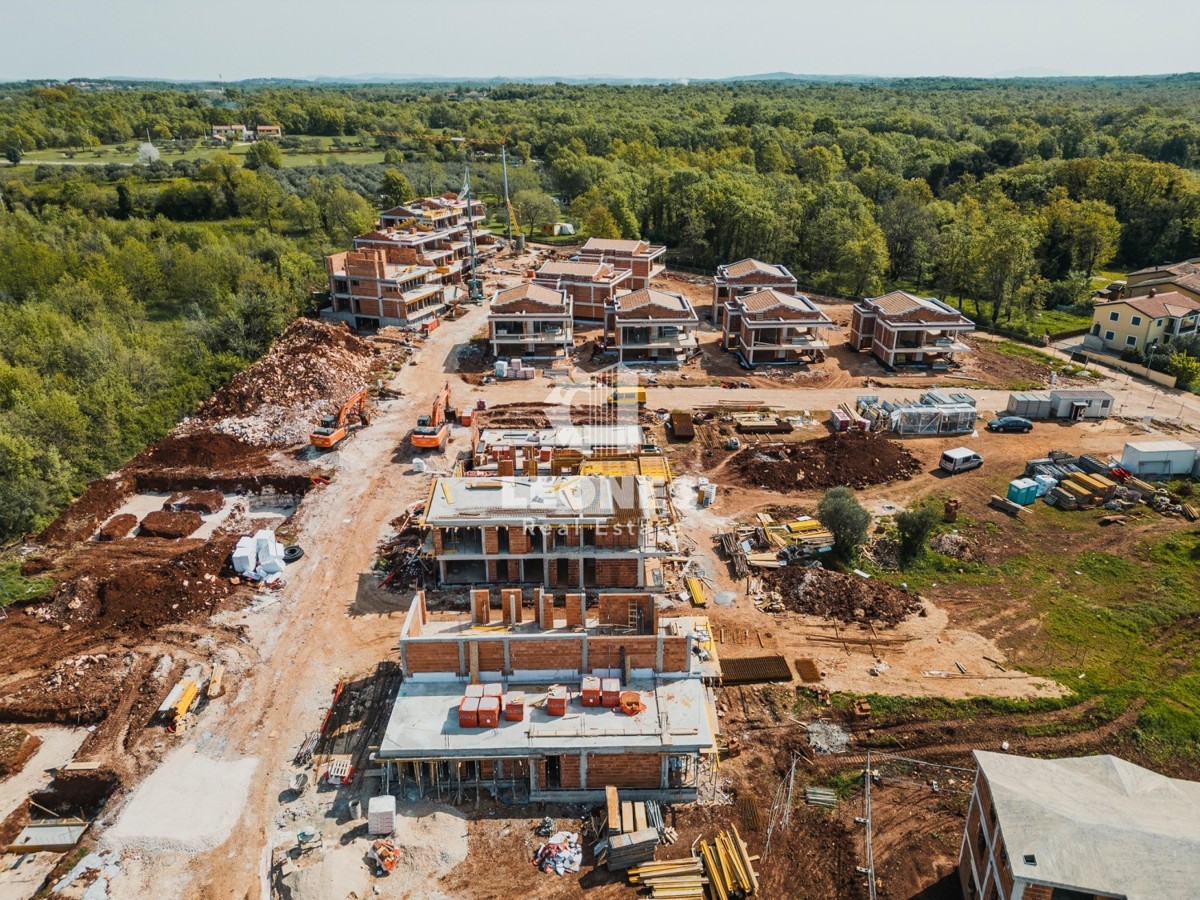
390 616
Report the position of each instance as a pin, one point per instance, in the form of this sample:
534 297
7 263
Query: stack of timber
729 867
625 850
674 879
628 832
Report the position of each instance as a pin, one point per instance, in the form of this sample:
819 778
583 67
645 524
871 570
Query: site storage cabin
1029 405
1081 404
1159 459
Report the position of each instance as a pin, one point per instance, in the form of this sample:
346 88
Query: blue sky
237 39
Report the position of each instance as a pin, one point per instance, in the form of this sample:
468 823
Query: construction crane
333 428
433 431
501 142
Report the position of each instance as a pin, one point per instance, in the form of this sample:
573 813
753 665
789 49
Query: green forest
140 264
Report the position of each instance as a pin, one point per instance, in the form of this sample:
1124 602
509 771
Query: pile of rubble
309 372
836 595
826 737
854 459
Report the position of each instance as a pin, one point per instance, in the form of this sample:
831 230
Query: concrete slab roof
424 723
1098 824
578 499
573 437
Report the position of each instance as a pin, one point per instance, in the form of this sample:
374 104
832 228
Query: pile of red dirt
131 587
172 525
203 502
81 519
16 746
311 361
203 450
117 527
855 459
847 598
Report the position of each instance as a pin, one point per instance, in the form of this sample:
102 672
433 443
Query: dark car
1010 423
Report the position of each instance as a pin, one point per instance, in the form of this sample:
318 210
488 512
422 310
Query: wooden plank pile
629 832
729 866
674 879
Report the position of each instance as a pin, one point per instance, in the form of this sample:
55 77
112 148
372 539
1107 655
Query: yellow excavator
333 428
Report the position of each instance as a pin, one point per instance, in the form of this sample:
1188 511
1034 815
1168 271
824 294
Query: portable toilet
1023 491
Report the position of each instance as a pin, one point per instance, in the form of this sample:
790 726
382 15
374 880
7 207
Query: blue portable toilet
1023 491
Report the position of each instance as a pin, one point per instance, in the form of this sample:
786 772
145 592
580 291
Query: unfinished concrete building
552 702
556 451
651 326
531 320
902 330
590 285
747 276
380 286
580 531
643 261
770 328
1091 828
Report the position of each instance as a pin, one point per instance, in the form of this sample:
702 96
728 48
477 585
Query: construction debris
676 879
826 737
562 853
835 595
854 459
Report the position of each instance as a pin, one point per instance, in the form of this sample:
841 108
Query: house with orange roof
591 285
772 328
643 260
531 320
1183 277
747 276
651 326
901 330
1136 323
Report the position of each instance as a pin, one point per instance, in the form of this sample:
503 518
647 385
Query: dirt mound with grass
846 598
855 459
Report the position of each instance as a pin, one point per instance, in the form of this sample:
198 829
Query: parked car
1010 423
960 459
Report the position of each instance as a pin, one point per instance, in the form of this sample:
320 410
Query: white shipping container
1158 459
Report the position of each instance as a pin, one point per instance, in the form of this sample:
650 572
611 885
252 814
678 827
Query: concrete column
462 658
583 660
508 661
662 774
658 652
583 771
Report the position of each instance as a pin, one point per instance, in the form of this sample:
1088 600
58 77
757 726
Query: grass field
15 588
1115 627
126 154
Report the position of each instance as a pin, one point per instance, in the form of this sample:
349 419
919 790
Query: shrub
846 520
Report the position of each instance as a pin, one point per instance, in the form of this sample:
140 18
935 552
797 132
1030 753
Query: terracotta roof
900 304
754 266
1190 281
1180 268
651 304
1171 303
529 298
615 245
594 270
763 301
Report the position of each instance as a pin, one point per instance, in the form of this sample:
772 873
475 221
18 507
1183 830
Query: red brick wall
617 573
617 536
493 570
614 608
491 656
624 770
546 654
433 656
675 654
491 540
570 772
518 540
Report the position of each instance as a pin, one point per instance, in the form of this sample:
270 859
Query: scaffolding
934 412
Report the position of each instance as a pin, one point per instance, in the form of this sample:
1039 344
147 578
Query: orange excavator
333 428
433 430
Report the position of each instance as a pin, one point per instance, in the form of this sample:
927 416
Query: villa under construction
553 700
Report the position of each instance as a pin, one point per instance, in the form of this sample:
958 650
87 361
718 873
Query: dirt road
303 643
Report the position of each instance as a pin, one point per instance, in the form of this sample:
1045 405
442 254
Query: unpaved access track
286 652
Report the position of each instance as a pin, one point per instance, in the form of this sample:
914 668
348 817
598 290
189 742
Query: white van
960 459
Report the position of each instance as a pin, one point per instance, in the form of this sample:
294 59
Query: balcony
681 341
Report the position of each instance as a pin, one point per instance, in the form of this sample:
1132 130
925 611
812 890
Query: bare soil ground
95 652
